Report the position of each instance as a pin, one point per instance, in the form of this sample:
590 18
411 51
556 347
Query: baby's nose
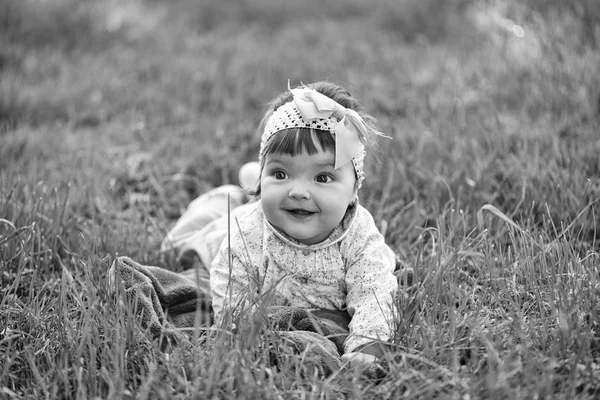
299 190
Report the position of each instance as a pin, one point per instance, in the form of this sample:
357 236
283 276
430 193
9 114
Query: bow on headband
351 130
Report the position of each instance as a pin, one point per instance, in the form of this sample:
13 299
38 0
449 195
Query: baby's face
304 196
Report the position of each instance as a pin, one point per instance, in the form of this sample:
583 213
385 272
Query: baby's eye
279 174
324 178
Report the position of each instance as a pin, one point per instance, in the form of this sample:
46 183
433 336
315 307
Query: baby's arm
229 281
370 284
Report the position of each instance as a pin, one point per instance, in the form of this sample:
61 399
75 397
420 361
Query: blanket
162 299
165 301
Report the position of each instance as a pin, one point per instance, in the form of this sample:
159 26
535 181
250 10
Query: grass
115 115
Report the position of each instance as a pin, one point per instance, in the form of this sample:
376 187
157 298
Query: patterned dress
352 270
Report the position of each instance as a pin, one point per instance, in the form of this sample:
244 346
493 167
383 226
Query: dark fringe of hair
296 141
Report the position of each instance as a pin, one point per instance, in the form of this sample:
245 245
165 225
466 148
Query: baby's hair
295 141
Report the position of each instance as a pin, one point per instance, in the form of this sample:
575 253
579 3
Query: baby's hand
359 360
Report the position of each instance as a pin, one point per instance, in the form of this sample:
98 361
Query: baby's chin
308 239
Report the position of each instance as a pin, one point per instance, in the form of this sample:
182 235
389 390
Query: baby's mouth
300 213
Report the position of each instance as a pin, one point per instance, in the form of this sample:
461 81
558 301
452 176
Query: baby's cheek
268 208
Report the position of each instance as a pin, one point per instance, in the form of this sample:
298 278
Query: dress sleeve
230 283
370 283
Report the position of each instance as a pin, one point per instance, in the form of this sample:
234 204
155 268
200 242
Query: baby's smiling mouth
299 212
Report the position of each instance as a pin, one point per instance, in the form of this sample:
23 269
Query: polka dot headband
311 109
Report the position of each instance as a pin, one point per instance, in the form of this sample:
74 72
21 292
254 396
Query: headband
311 109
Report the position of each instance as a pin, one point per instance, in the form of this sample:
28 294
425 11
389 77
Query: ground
115 114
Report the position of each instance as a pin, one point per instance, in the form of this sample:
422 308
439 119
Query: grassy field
115 114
